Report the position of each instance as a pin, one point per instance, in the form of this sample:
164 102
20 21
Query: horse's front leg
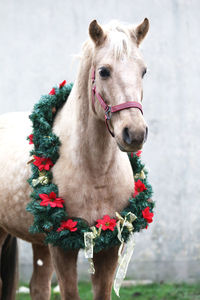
65 264
40 285
105 263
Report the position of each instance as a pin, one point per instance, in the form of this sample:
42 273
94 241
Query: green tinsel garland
48 219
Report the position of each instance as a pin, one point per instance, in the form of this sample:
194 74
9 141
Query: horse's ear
141 30
96 33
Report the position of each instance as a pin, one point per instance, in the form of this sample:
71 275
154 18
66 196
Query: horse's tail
9 268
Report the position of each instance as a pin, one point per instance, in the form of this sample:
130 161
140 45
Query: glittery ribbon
123 264
89 246
128 251
42 179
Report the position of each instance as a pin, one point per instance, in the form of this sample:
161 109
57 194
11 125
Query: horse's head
119 68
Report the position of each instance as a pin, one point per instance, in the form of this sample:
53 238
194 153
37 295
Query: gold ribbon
89 246
123 264
128 251
42 179
140 175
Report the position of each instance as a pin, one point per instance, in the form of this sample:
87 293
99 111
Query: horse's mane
120 39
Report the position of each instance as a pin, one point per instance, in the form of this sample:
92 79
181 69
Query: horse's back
14 149
16 122
14 189
14 128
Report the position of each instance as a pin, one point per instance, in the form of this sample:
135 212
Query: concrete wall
37 41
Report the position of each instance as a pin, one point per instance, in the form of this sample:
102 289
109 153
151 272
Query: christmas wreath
48 209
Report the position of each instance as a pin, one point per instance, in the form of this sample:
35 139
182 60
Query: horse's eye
104 72
144 72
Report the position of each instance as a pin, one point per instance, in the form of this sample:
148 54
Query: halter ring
108 113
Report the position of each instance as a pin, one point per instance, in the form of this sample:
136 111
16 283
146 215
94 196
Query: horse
93 172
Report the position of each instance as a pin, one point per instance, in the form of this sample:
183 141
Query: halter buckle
108 113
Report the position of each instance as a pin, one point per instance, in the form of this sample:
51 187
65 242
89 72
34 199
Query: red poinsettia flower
62 84
69 225
52 92
139 187
106 223
138 153
30 139
42 163
51 200
147 215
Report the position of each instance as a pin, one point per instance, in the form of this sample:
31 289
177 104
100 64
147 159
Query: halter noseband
109 110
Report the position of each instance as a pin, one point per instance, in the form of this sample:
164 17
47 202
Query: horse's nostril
137 137
126 136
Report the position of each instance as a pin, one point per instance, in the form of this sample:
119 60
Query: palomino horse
93 172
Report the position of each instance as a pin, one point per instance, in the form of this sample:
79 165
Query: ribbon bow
124 222
42 179
140 175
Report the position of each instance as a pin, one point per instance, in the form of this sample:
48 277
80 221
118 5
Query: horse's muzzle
133 138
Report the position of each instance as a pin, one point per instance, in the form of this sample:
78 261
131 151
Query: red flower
30 139
139 187
43 163
52 92
51 200
147 215
106 223
69 224
62 84
138 153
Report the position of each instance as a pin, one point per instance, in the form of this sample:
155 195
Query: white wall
37 39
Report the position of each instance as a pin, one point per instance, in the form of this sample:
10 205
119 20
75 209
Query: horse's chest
93 197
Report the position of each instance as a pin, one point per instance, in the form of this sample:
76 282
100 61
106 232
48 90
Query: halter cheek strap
109 110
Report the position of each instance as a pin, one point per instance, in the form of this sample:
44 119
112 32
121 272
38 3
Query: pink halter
111 109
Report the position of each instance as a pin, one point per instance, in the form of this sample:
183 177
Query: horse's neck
81 133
